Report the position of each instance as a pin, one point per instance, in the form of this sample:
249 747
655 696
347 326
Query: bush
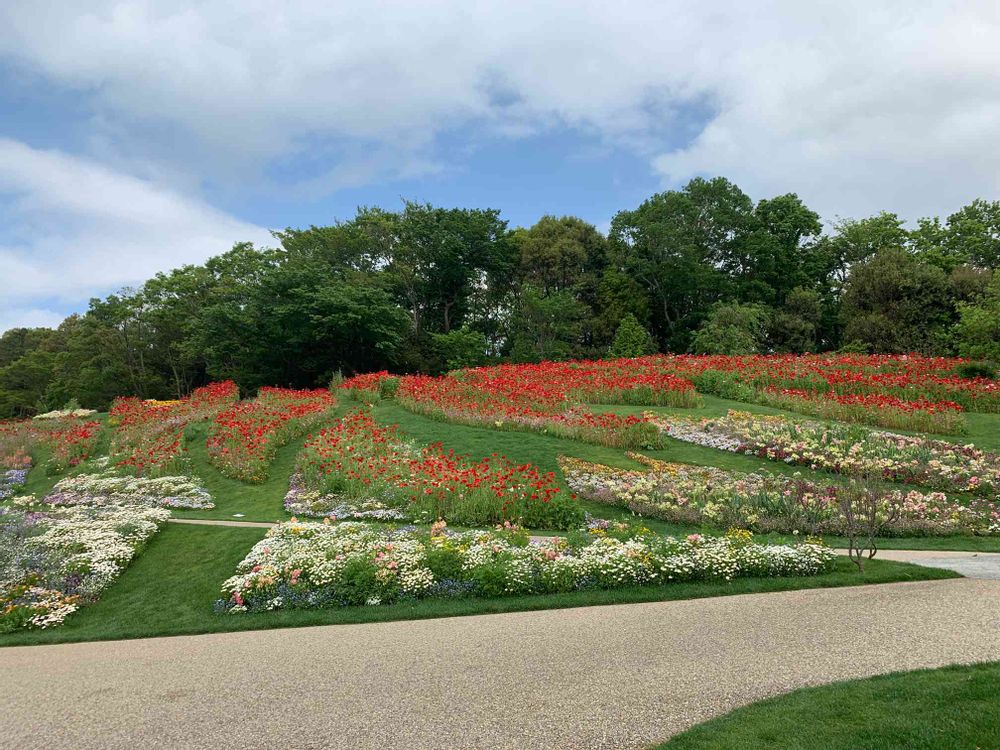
976 370
631 339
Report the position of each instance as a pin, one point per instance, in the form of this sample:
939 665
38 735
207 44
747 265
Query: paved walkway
597 677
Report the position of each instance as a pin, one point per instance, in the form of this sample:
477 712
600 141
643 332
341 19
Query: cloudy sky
138 136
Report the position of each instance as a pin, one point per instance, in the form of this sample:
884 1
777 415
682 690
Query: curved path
596 677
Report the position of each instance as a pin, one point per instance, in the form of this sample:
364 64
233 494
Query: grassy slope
954 707
171 586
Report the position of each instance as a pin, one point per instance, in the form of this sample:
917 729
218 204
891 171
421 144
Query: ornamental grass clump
305 565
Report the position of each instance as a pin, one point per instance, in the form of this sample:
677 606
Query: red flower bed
917 415
148 435
245 437
360 459
71 443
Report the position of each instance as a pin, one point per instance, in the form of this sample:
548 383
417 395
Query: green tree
978 327
794 327
732 328
460 348
896 303
676 246
547 327
631 339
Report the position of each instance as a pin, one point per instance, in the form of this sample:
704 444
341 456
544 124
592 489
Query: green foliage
896 303
427 289
631 339
732 329
547 327
978 328
460 348
976 370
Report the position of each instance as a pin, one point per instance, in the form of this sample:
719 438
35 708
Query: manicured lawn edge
951 707
171 587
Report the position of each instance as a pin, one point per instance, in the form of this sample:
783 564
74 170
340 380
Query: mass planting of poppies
148 436
244 438
359 468
903 392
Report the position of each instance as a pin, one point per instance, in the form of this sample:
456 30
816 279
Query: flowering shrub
359 460
148 435
108 488
918 415
303 565
765 502
52 563
846 449
245 437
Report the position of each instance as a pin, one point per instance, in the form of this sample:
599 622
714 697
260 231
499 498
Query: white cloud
857 106
74 228
28 317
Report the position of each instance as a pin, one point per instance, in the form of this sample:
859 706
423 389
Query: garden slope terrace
629 676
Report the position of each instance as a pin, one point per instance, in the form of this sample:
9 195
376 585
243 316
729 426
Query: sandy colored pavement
597 677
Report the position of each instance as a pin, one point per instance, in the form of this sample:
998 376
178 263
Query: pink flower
694 538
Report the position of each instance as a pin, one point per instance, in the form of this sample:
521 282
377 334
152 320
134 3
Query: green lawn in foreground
171 587
948 709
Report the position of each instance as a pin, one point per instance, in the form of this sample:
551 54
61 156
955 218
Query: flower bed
358 460
70 441
16 443
10 480
148 435
765 502
846 449
53 563
305 565
108 488
907 377
245 437
504 400
918 415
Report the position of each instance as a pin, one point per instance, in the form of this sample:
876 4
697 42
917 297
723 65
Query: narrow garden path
596 677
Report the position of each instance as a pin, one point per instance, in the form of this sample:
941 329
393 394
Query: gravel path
596 677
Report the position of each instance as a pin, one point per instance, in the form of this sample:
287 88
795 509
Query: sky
136 137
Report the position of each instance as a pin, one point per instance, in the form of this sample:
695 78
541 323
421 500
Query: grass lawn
171 587
953 707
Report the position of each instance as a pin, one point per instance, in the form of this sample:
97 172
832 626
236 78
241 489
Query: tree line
701 269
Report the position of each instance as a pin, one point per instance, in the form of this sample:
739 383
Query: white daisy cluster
307 564
51 563
107 488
